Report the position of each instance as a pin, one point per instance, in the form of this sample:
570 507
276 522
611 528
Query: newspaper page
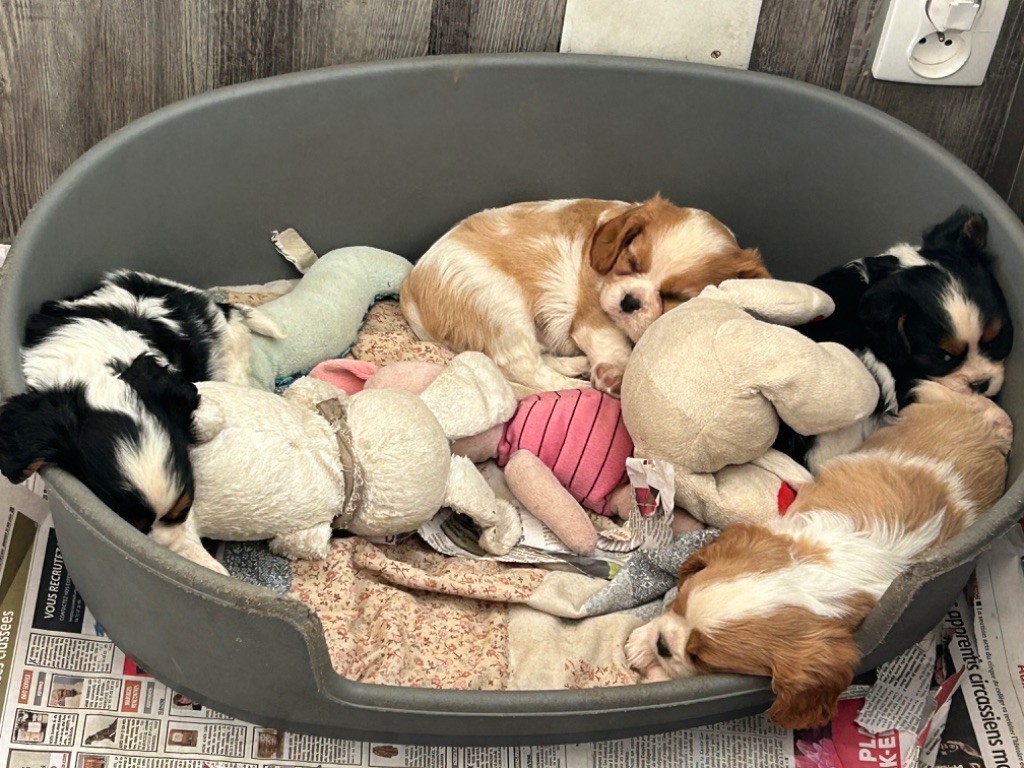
990 633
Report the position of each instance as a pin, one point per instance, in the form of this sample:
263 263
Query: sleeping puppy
785 600
110 396
933 312
533 285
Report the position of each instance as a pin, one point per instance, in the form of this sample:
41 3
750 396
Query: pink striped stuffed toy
561 451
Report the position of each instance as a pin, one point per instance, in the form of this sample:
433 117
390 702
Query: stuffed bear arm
183 539
208 420
815 388
470 396
738 494
774 301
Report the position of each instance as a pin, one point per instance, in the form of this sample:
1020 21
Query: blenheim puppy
533 285
786 600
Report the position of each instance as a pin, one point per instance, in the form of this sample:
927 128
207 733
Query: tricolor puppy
934 311
533 285
110 393
785 600
930 312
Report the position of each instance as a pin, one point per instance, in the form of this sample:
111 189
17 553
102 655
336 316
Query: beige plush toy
290 469
705 388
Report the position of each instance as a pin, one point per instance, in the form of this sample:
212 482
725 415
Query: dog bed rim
124 540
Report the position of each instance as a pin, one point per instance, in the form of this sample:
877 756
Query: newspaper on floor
989 643
905 702
71 699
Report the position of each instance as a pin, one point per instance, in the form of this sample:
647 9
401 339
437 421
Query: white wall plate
706 31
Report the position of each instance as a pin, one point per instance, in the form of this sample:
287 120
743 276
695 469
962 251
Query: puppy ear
750 265
695 563
883 312
142 368
808 676
34 429
963 228
613 237
975 229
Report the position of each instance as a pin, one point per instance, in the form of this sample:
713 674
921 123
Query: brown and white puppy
785 600
533 285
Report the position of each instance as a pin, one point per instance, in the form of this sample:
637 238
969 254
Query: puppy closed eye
693 648
943 358
630 238
629 249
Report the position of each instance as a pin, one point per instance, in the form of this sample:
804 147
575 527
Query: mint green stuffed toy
320 318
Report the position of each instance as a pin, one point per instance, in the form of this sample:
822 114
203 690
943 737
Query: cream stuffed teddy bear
293 468
705 388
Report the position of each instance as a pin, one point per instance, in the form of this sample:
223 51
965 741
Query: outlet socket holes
939 54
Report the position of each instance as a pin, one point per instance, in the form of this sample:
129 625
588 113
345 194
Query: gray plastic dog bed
392 154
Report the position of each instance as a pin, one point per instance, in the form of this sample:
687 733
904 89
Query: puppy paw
654 674
640 649
607 377
312 543
1002 426
641 656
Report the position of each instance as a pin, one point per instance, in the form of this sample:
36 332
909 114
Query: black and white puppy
932 312
110 393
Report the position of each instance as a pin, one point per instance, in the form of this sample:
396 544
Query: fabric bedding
399 613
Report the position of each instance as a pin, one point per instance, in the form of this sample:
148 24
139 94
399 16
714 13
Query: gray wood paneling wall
73 71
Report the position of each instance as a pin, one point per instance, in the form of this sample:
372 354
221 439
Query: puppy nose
981 387
629 303
663 650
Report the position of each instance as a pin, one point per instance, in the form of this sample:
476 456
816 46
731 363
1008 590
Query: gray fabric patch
648 576
252 562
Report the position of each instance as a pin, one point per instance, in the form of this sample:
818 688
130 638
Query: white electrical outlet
938 42
707 31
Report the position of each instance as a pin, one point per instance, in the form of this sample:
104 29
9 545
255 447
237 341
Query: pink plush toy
561 451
